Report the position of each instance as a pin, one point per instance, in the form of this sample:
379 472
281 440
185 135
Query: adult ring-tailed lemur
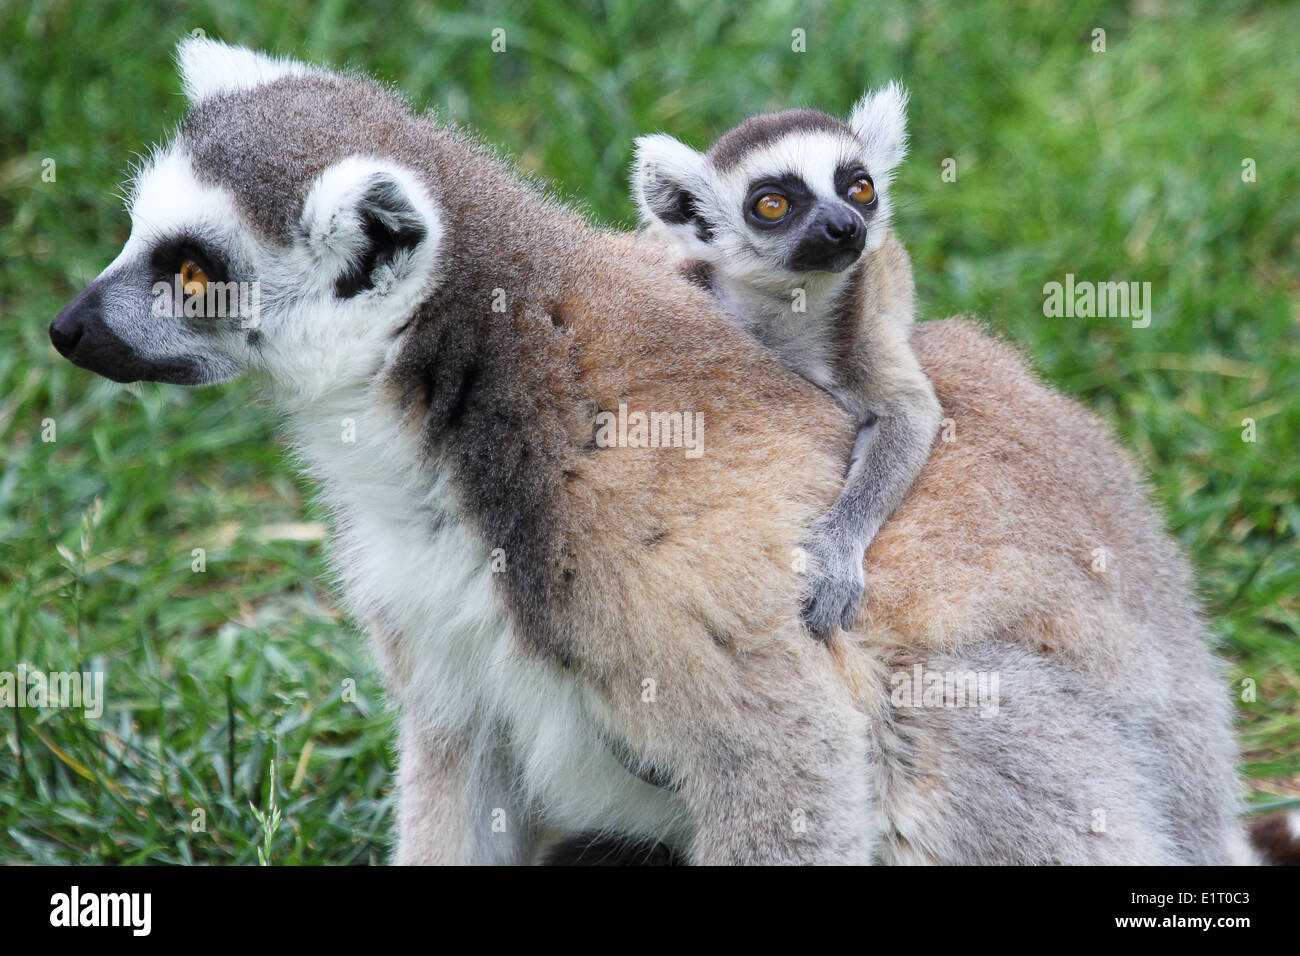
584 635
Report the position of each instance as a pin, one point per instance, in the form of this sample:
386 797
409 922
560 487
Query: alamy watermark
133 911
208 299
921 687
79 690
651 430
1102 300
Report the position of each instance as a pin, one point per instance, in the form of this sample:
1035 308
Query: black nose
65 332
843 229
69 325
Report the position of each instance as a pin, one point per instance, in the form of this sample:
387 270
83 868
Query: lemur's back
1029 549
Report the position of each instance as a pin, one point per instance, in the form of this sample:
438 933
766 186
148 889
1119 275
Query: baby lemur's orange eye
772 206
862 191
193 279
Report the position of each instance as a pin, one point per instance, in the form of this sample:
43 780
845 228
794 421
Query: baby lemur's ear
671 183
880 120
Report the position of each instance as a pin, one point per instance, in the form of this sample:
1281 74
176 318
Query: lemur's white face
784 197
199 294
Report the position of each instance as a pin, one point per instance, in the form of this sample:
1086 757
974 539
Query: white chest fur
402 547
796 324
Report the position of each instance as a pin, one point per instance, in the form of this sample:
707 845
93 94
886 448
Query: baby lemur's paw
835 585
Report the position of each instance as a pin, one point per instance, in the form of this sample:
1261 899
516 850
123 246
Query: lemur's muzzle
831 242
83 337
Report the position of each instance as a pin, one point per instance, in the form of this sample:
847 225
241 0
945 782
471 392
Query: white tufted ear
209 67
880 120
671 183
370 226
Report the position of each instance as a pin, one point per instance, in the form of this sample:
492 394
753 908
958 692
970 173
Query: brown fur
998 535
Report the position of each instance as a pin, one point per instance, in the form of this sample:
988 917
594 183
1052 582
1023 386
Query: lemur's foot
835 586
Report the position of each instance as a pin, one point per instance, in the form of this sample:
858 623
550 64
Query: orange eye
771 207
862 191
193 279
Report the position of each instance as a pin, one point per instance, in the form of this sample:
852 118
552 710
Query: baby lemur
786 219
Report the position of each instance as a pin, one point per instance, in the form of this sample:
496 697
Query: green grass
1122 165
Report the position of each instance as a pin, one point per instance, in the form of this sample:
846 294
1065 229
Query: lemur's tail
1277 837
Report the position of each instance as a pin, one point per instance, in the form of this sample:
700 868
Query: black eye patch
166 258
787 185
846 175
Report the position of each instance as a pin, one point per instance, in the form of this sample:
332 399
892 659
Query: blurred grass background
240 689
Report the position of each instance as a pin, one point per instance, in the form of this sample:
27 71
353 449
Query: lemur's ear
880 120
210 67
669 179
370 225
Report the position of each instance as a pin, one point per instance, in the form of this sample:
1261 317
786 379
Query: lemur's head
288 225
782 194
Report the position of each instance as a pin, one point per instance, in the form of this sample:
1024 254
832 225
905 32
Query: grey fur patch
759 131
269 144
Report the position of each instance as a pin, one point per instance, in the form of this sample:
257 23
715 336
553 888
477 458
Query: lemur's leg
457 799
768 750
887 458
798 796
